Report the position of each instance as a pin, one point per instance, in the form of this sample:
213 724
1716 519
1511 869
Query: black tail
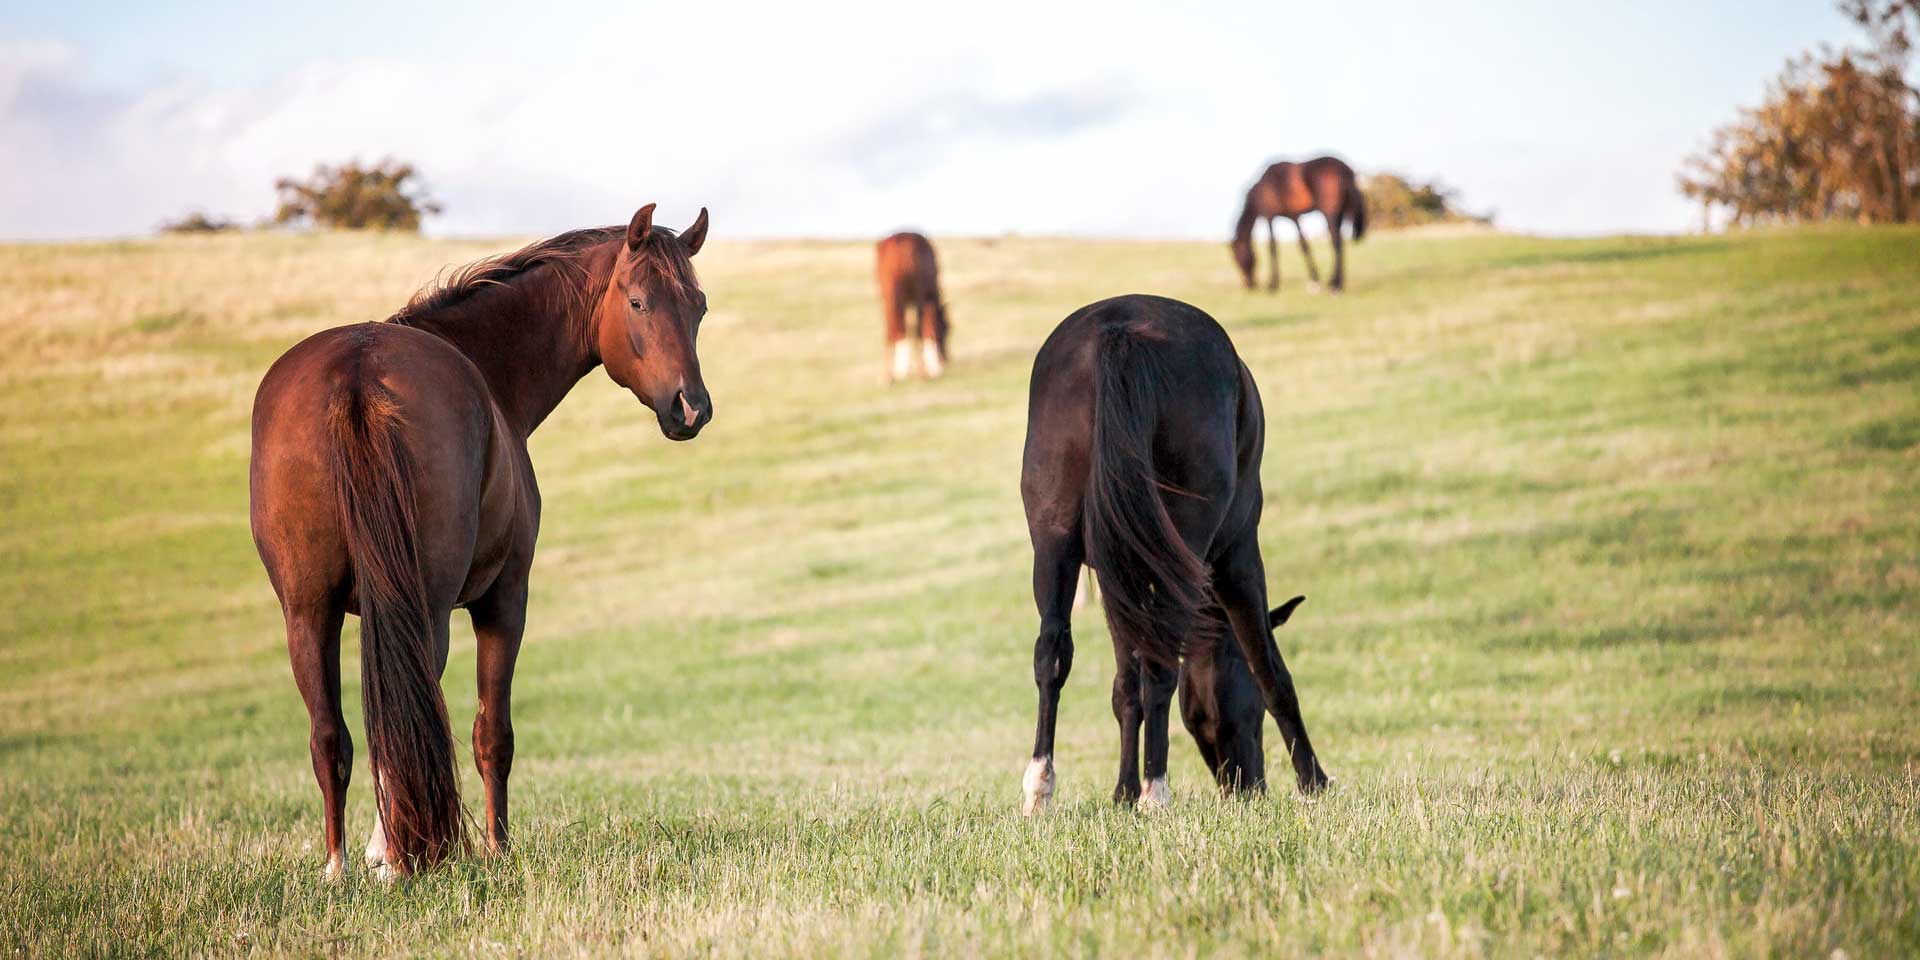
416 787
1357 207
1156 592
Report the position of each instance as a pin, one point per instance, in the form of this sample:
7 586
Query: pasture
1612 550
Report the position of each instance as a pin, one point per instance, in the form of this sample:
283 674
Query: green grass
1613 550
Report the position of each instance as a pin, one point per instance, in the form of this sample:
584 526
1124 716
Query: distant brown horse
1288 190
390 480
909 277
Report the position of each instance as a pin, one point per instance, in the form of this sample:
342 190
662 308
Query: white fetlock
1157 795
930 358
336 869
377 843
1037 785
902 359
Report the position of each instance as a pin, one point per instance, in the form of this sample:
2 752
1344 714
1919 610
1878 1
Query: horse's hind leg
1306 253
900 352
313 644
1339 251
499 618
1273 254
932 364
1056 571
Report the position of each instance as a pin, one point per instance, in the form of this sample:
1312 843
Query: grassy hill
1611 546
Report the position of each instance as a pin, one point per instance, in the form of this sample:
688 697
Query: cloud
895 145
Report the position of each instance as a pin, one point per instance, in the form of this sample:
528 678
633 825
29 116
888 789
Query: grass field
1612 549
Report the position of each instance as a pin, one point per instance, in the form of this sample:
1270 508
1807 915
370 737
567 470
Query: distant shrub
1397 201
382 196
198 222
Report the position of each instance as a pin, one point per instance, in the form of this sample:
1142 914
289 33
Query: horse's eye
635 303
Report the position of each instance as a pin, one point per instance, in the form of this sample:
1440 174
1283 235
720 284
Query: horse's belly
503 536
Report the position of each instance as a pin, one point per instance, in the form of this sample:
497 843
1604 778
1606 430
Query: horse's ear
640 227
1279 615
695 235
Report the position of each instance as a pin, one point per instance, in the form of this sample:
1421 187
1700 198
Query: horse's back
1199 409
1295 188
437 402
905 266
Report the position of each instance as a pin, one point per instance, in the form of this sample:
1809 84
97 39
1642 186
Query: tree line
1836 138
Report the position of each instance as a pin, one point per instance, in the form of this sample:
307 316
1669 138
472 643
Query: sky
979 118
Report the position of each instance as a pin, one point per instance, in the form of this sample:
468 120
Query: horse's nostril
687 414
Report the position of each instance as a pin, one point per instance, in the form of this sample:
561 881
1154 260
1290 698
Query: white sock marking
1157 795
1037 785
930 356
902 359
377 843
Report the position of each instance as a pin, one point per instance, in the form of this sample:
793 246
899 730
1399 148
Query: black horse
1221 706
1144 437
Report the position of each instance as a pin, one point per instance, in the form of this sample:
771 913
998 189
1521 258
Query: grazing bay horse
909 277
390 480
1144 438
1288 190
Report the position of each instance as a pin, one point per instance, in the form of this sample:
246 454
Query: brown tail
1357 204
416 788
1156 592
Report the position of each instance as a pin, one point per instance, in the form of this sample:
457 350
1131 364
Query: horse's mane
566 253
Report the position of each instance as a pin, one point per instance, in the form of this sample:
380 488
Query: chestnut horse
1144 438
1288 190
909 277
390 480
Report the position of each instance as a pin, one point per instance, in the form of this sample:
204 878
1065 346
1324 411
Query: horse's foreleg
1127 713
1306 253
1273 254
380 857
1240 580
1156 702
313 643
1056 571
499 619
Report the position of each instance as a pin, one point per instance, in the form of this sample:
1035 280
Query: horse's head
649 321
1243 257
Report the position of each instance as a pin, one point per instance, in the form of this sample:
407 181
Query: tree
1834 139
382 196
1397 201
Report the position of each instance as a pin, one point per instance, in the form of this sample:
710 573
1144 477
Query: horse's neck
530 337
1243 230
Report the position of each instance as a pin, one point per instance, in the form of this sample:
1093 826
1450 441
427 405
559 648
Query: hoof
387 873
1037 786
1311 791
1156 796
336 869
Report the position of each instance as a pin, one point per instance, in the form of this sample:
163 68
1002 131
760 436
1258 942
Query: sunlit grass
1612 550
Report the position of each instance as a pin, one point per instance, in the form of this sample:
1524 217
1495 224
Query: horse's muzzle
683 418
